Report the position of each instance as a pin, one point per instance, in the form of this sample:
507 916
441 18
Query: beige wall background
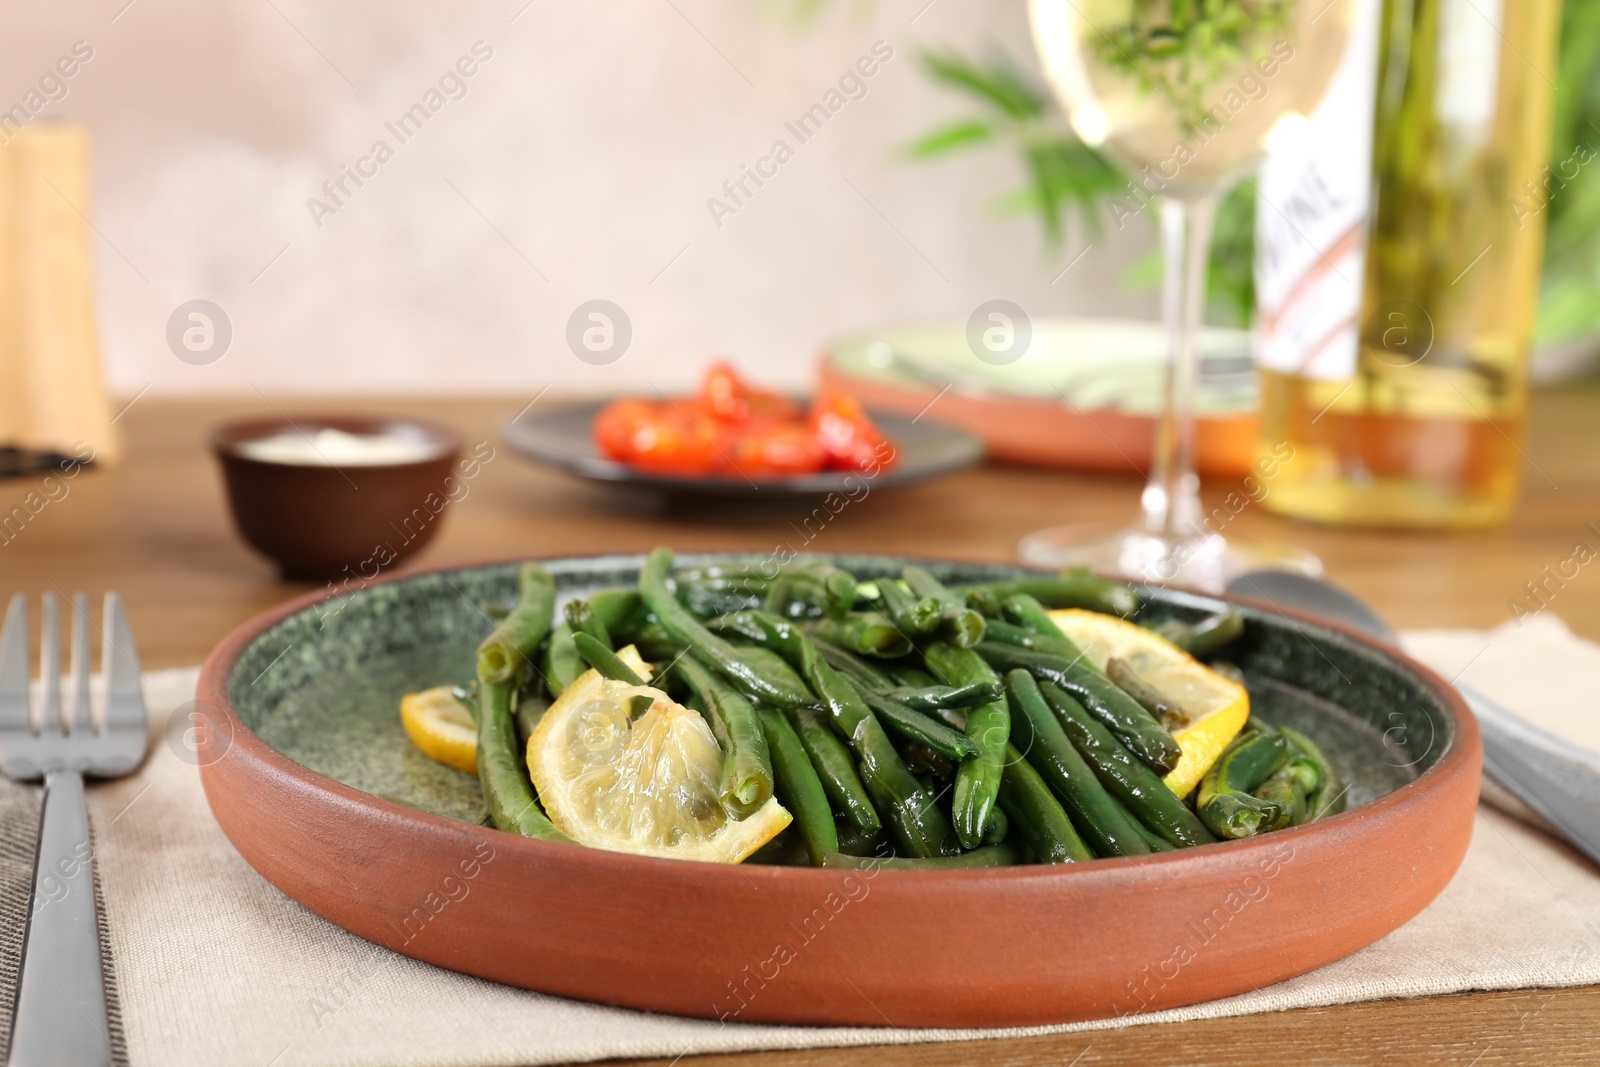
575 164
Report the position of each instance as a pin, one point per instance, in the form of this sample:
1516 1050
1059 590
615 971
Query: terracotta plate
309 744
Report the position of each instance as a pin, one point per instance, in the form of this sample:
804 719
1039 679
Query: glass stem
1171 499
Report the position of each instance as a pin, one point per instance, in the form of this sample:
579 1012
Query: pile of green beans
903 722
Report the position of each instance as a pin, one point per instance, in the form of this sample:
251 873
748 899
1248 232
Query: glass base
1205 563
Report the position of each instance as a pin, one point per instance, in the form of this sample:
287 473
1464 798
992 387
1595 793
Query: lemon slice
1218 706
645 783
442 727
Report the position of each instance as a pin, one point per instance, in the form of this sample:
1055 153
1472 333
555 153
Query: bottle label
1311 215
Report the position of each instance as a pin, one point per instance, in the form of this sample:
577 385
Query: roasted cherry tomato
656 437
730 398
778 451
849 438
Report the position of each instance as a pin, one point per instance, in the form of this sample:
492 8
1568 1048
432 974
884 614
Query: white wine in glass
1186 95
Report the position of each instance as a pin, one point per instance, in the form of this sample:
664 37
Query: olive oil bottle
1408 409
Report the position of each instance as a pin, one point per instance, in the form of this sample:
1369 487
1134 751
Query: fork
60 1016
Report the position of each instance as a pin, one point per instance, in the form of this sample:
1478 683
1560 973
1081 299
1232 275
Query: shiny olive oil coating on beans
798 787
746 761
688 630
864 633
1119 712
836 769
1035 813
1072 589
915 726
1125 777
978 777
1107 826
920 828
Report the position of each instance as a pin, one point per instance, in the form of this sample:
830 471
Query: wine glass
1186 95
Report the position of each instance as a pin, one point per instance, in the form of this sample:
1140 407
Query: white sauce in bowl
336 448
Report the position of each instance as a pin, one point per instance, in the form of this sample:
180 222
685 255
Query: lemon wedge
442 727
613 776
1218 707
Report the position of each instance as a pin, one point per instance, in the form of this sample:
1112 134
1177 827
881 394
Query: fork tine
14 666
119 660
82 713
50 665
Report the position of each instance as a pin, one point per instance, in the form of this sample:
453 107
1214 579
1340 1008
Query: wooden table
157 529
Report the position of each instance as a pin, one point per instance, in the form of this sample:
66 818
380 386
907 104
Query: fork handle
60 1018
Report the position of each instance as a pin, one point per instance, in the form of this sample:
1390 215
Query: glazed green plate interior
323 686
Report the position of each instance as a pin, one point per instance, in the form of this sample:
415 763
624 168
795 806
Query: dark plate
560 436
305 700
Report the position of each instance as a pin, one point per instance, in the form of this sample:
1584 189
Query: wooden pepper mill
53 404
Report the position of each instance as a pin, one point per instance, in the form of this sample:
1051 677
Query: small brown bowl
320 522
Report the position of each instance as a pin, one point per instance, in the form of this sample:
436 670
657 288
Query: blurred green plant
1569 300
1067 179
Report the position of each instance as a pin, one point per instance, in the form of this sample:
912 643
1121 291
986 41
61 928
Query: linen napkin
213 965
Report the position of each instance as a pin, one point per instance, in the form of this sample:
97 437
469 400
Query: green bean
852 666
582 617
530 709
944 696
515 638
983 601
1007 855
1154 841
1073 588
798 787
616 608
602 659
999 823
1120 713
962 626
911 614
921 829
852 842
914 726
988 727
908 675
1037 815
924 762
1206 637
804 595
832 763
1125 777
865 633
688 630
708 601
562 664
1026 611
746 760
1225 802
502 771
1031 640
1285 794
1167 711
1109 828
1328 797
